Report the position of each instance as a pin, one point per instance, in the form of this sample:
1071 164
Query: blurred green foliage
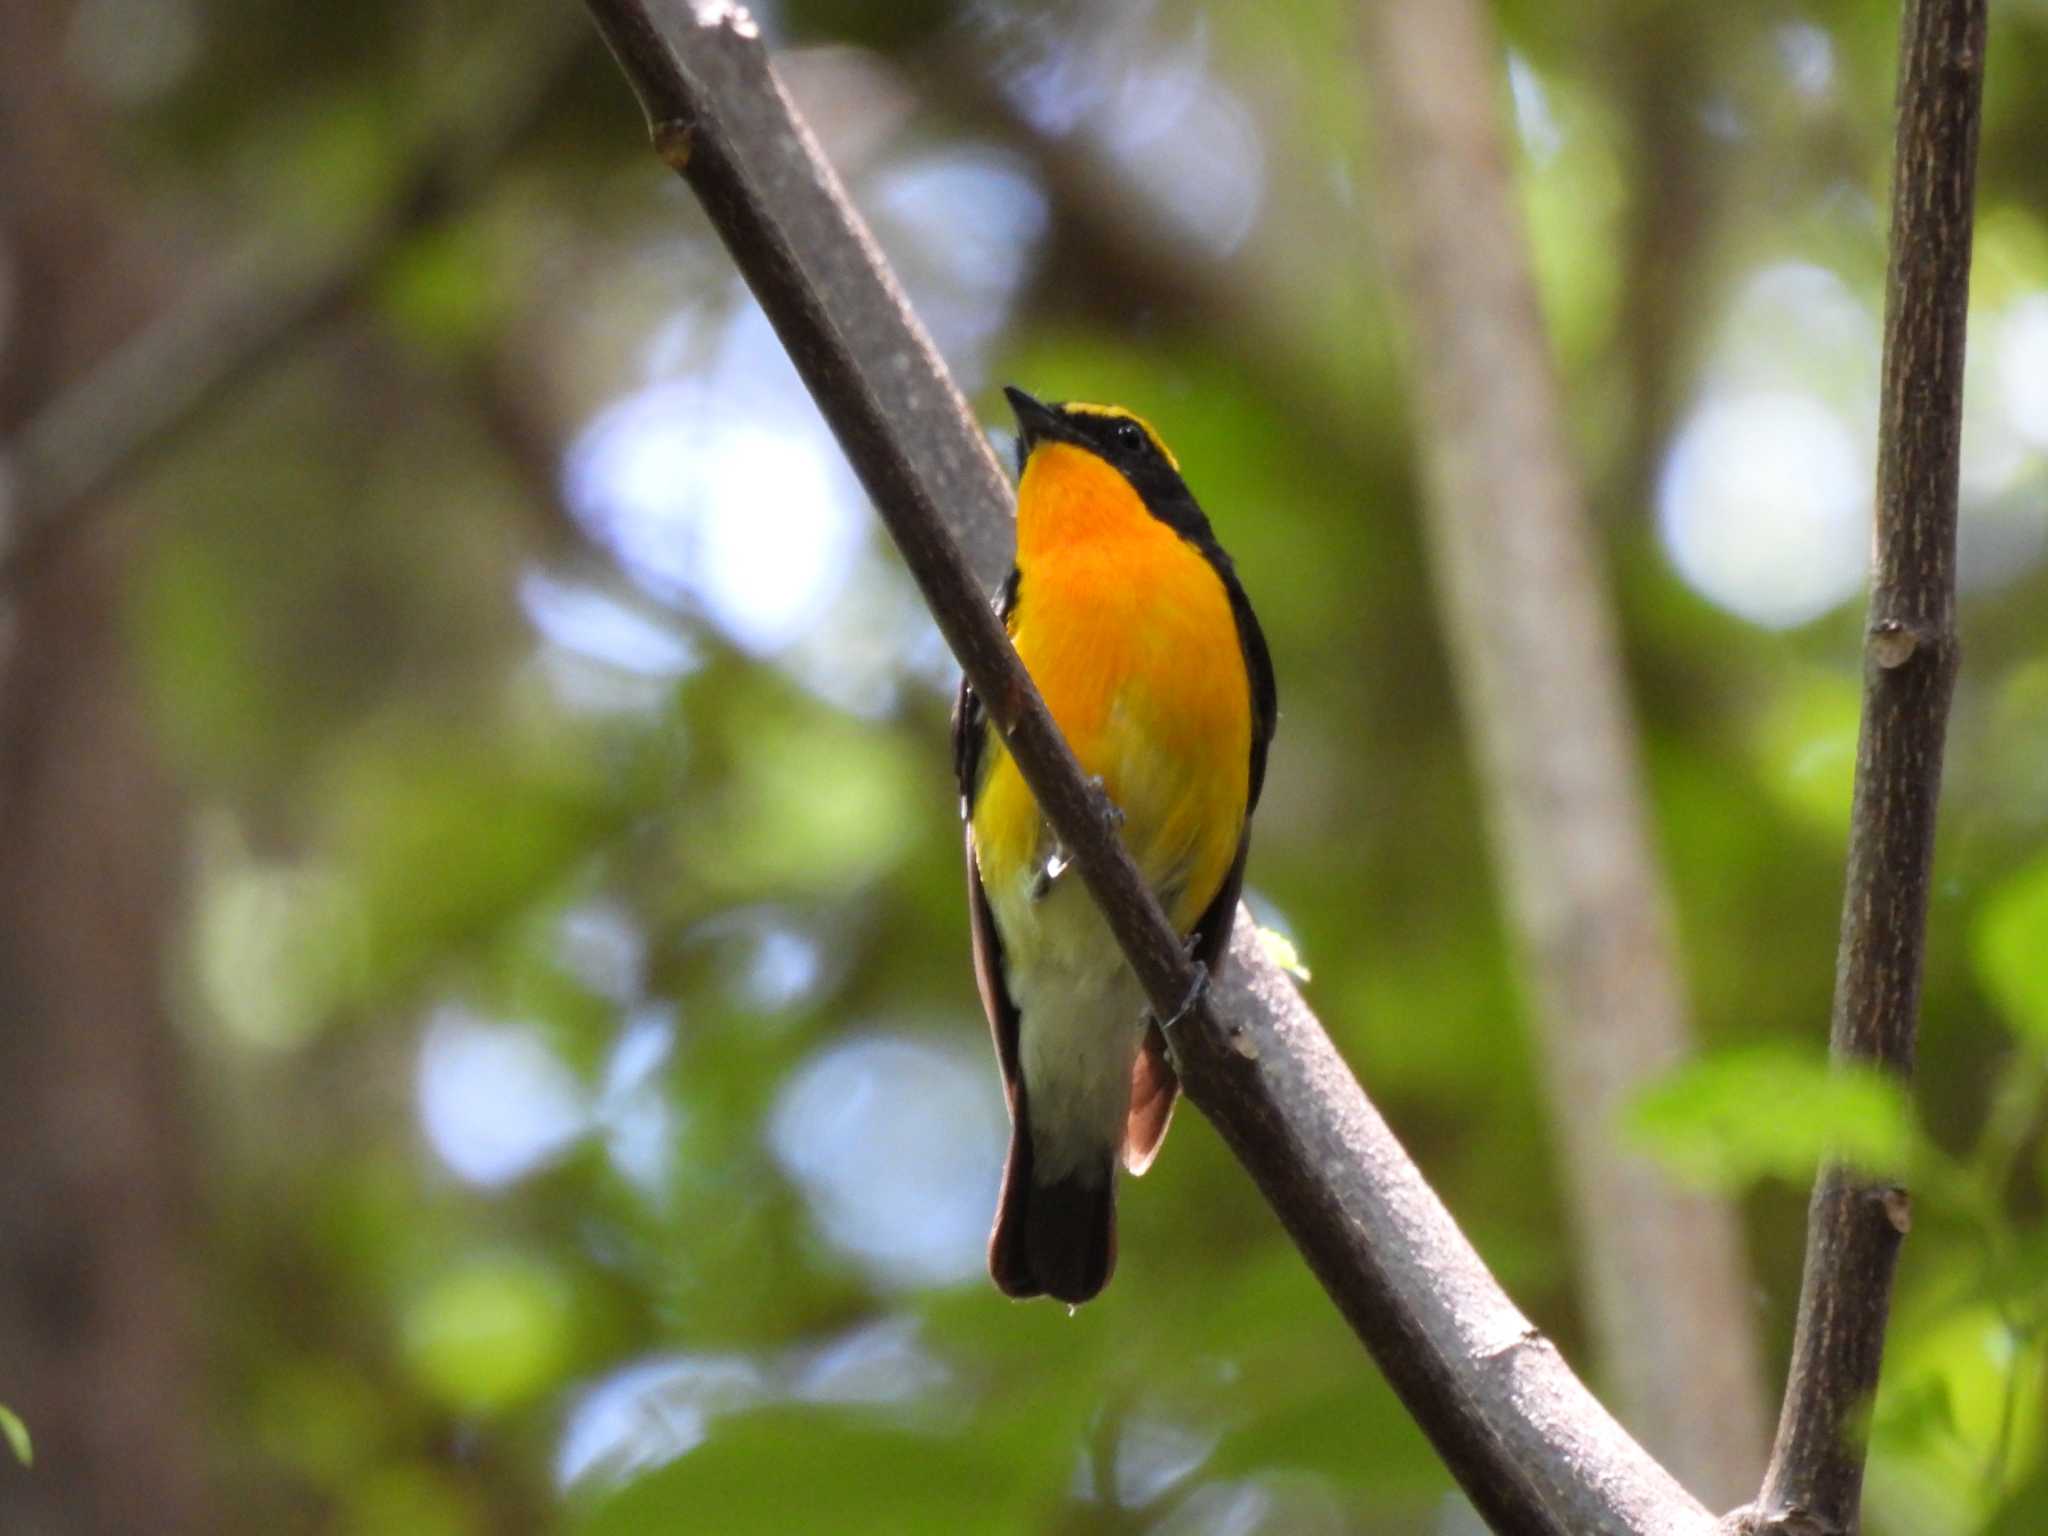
17 1437
1768 1111
495 813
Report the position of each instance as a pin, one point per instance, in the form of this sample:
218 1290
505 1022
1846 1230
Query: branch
1527 612
103 1324
1532 1448
1854 1227
249 315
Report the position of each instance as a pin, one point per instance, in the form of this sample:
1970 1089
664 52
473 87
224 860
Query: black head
1122 438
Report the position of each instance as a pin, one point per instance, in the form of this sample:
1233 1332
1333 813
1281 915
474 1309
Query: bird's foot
1057 863
1111 811
1191 1002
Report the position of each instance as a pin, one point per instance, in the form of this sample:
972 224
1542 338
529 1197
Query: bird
1132 623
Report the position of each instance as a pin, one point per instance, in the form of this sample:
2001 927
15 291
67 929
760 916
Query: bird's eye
1128 436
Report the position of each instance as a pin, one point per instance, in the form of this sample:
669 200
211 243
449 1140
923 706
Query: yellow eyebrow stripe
1083 408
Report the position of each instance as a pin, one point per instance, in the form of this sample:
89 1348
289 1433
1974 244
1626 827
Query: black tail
1056 1239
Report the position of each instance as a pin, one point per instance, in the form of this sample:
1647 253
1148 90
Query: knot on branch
1898 1209
672 138
1530 1337
722 15
1893 643
1787 1520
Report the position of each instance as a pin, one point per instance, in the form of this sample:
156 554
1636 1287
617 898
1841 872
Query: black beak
1036 421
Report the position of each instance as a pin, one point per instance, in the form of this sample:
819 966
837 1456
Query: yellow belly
1135 648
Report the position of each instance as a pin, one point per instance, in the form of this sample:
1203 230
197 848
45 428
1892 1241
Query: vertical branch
1910 654
1530 623
100 1345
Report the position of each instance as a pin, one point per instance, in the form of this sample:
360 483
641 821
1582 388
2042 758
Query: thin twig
249 315
1531 625
1532 1448
1854 1227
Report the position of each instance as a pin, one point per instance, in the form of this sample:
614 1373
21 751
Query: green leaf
1957 1422
796 1469
445 843
17 1436
491 1334
1730 1120
417 1498
2007 942
1922 1413
783 826
1321 1433
443 290
1806 746
2025 1510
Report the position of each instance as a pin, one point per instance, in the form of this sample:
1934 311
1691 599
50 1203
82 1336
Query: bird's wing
970 736
1154 1084
1258 671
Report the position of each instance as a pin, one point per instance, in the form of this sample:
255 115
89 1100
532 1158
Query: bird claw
1111 811
1191 1002
1059 861
1056 864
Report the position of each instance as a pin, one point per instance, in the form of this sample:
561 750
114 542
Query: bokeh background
488 1042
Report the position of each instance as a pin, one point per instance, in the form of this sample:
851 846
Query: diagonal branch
1530 1445
1526 608
1854 1227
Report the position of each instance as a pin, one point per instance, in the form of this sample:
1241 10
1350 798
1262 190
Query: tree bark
98 1348
1854 1227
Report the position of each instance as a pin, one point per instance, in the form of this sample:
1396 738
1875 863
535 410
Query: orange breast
1129 634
